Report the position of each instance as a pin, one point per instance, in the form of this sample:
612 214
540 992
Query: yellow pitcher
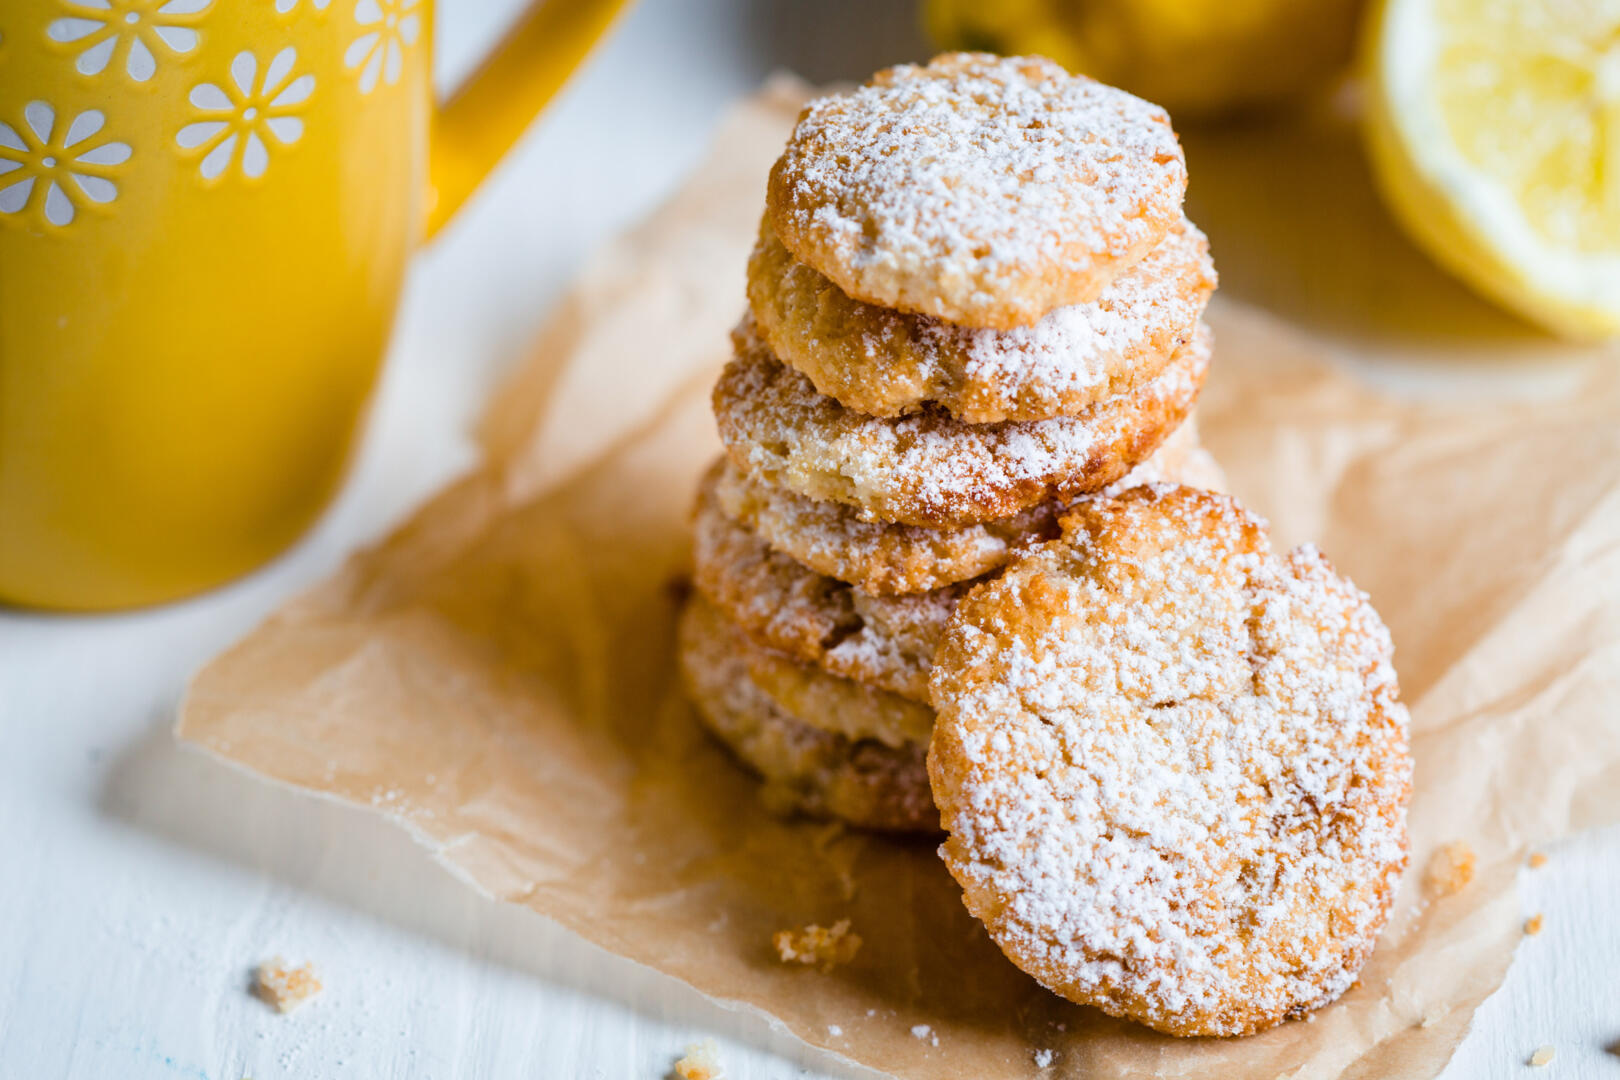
206 207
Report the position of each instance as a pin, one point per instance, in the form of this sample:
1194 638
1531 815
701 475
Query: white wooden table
140 883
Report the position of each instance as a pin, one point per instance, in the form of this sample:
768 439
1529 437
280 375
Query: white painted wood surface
140 883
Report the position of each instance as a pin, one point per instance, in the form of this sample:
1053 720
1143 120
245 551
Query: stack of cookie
974 302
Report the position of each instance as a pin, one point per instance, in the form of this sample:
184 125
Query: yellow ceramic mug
206 207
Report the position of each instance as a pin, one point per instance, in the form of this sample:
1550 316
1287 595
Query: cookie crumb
1044 1058
1451 868
702 1062
1537 861
824 947
923 1031
284 988
1542 1056
1532 925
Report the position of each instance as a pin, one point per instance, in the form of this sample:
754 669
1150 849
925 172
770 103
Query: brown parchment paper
497 674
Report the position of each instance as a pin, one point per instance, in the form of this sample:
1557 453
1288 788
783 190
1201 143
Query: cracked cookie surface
1173 765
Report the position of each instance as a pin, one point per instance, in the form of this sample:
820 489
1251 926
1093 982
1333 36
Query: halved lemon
1494 131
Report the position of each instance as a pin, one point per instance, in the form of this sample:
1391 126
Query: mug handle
472 131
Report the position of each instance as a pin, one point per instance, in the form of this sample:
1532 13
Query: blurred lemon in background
1494 131
1194 57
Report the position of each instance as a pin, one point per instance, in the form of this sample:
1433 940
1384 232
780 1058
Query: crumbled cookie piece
285 988
1537 861
1532 925
702 1062
1451 868
824 947
1542 1057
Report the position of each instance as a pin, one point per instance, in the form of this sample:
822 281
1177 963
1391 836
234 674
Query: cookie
884 362
978 189
886 559
805 769
927 468
886 642
1173 765
813 695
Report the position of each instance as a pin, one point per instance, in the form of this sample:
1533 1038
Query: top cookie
982 190
1173 765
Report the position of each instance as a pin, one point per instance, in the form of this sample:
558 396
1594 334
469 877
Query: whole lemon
1194 57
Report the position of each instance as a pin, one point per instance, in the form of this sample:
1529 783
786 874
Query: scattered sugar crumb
834 1030
871 1012
822 946
702 1062
1542 1056
923 1031
1043 1058
285 988
1532 925
1432 1019
1451 868
1537 861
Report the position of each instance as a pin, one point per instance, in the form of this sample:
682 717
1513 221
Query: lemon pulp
1494 127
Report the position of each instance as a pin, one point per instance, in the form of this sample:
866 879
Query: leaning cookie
978 189
884 559
805 769
886 642
1173 766
927 468
884 362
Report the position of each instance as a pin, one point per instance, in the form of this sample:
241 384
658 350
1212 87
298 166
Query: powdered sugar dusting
926 468
885 362
886 559
1173 765
962 185
1071 346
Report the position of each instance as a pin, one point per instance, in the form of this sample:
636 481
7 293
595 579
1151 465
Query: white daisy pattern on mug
242 119
136 31
379 53
57 167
